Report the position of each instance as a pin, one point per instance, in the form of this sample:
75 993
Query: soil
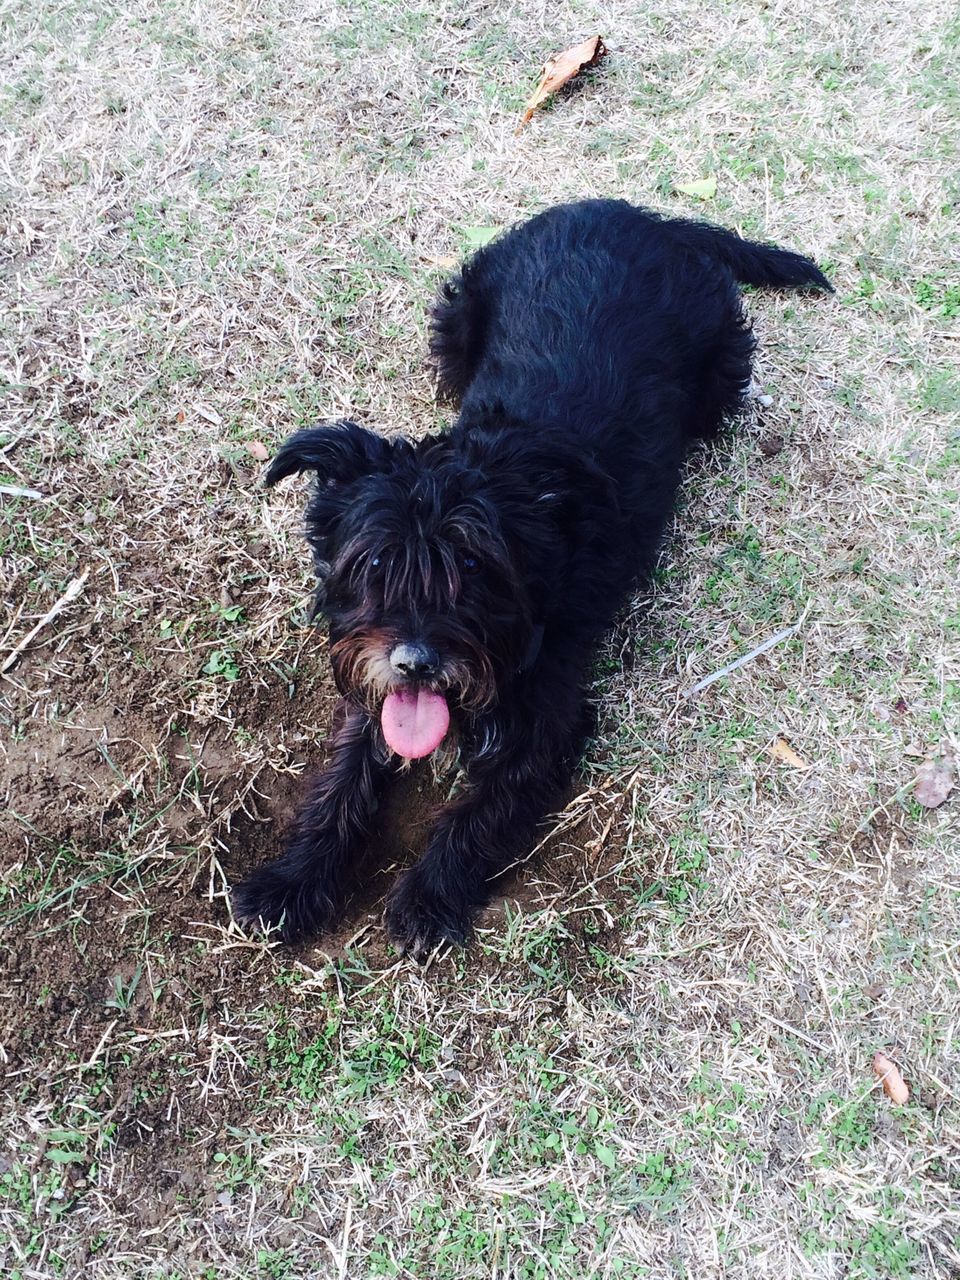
122 831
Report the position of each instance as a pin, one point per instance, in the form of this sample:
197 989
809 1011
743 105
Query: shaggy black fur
587 348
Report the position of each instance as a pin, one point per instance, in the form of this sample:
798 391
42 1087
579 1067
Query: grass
655 1062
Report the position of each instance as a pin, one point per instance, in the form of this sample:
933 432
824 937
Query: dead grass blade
73 590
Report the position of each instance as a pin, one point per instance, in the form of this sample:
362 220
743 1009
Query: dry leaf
703 188
894 1085
560 69
477 237
431 260
934 781
258 450
781 750
209 415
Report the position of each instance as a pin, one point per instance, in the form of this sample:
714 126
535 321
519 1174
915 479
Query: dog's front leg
478 838
304 891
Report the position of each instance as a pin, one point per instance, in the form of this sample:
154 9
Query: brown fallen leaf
560 69
781 750
894 1085
258 450
935 781
433 261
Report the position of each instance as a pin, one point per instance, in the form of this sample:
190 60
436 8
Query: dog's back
601 315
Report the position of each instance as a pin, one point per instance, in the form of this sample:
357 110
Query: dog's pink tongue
414 722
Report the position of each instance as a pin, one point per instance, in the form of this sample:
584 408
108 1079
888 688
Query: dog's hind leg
456 335
304 891
725 376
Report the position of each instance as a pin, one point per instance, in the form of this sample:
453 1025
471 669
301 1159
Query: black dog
468 578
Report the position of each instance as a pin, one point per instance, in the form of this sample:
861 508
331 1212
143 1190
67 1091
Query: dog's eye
374 562
469 564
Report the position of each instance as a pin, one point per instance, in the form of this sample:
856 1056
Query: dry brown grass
219 222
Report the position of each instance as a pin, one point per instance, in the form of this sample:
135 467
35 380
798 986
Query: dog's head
437 562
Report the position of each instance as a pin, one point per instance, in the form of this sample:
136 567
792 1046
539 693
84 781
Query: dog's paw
419 919
270 900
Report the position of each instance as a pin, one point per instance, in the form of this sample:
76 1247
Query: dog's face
436 566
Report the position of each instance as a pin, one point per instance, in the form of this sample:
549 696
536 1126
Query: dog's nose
414 660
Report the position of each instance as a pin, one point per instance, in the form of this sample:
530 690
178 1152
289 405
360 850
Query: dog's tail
751 262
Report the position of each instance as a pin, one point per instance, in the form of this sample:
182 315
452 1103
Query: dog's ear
339 452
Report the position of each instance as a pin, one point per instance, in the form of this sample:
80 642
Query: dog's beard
465 681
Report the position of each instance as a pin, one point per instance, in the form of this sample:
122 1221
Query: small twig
795 1031
141 391
92 1060
9 445
71 593
777 638
15 491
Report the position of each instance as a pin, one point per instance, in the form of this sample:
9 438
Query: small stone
455 1080
766 401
